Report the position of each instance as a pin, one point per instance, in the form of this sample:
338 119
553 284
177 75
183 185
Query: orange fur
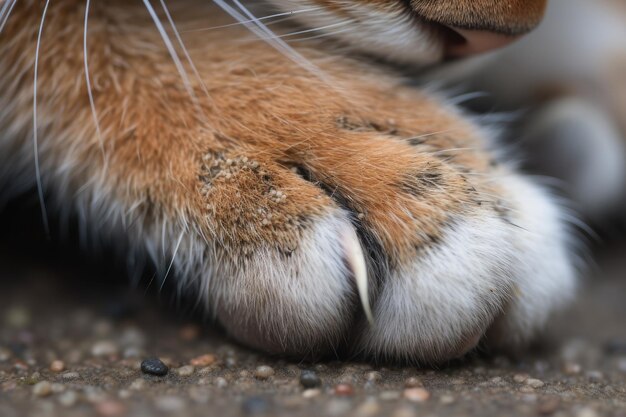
271 117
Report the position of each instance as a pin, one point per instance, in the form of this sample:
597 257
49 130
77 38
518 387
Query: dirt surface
73 336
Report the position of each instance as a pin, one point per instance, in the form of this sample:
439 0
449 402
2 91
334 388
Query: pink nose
472 42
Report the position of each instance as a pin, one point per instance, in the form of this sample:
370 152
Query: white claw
356 263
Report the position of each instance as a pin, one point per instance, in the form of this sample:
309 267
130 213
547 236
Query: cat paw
445 245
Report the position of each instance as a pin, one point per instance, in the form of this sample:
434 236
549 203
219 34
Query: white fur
543 267
299 304
426 310
517 271
391 33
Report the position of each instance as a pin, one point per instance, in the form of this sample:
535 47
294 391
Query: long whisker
92 103
263 31
169 268
321 35
183 48
316 29
290 13
42 202
7 8
170 48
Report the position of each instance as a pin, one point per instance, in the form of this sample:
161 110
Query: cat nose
466 42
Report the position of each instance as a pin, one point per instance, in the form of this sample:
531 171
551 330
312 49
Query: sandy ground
73 336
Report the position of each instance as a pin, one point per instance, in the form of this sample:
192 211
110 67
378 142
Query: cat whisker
171 49
183 48
42 202
288 14
323 35
262 31
301 32
5 12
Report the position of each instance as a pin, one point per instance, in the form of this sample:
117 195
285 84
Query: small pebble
309 379
374 376
263 372
186 370
311 393
534 383
104 348
204 360
519 378
344 390
138 384
221 382
572 368
416 395
70 375
20 365
320 367
42 389
57 366
413 383
110 408
154 366
35 377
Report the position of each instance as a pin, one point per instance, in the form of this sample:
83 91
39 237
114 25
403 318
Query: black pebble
154 366
309 379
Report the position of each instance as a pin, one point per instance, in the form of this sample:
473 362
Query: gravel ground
73 338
